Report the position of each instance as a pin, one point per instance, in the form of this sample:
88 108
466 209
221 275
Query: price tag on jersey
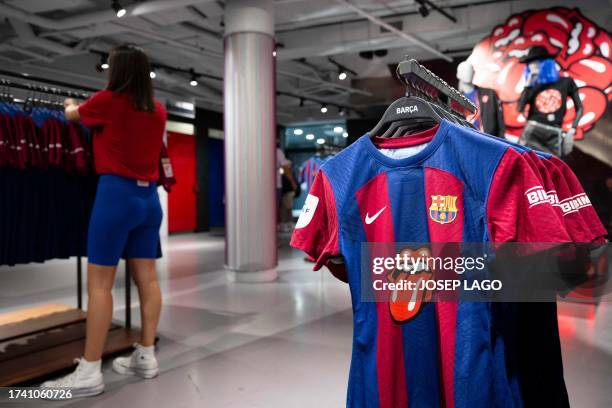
167 168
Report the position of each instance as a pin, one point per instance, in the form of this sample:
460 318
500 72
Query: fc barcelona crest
443 209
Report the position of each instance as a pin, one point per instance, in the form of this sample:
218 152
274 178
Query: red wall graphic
583 53
182 198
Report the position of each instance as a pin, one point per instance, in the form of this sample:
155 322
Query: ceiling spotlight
342 75
310 136
152 74
103 64
274 53
194 78
366 55
381 53
423 10
120 11
320 140
338 129
323 108
298 132
344 134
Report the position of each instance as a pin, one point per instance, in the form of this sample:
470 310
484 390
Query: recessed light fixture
152 74
323 108
310 136
320 140
342 75
344 134
104 65
298 132
338 129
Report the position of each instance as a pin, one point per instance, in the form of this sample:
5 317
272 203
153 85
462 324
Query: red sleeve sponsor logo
536 195
583 53
575 203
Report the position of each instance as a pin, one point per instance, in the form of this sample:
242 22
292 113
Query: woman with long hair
128 126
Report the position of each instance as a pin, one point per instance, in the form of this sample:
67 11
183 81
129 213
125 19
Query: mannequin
546 93
490 117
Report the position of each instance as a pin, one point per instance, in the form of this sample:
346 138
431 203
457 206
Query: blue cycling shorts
125 221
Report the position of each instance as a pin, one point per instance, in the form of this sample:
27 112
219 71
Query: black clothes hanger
419 109
406 111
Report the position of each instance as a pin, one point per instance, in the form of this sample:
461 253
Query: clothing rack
16 370
415 75
69 91
35 88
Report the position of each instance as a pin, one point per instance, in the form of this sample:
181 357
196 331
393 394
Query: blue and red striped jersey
309 170
449 184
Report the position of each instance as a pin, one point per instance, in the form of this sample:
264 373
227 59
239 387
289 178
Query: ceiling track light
118 9
102 65
343 72
423 10
194 78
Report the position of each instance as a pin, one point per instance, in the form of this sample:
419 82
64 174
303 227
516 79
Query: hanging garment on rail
42 138
309 169
44 214
449 184
47 184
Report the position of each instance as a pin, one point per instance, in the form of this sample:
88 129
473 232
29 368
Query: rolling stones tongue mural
583 53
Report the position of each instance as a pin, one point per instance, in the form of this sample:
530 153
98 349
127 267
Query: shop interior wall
209 159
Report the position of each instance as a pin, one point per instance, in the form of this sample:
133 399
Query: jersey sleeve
518 208
316 231
94 111
579 201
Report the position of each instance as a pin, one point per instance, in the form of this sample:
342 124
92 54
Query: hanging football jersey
457 187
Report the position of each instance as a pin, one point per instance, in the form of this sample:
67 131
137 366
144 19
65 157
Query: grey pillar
250 133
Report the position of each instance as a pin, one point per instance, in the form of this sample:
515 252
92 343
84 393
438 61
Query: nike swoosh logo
369 220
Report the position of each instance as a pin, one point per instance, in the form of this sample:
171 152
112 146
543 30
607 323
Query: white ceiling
189 35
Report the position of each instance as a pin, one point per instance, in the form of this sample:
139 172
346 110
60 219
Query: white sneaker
82 382
141 363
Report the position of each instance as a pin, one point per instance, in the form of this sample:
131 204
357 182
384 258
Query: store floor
282 344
